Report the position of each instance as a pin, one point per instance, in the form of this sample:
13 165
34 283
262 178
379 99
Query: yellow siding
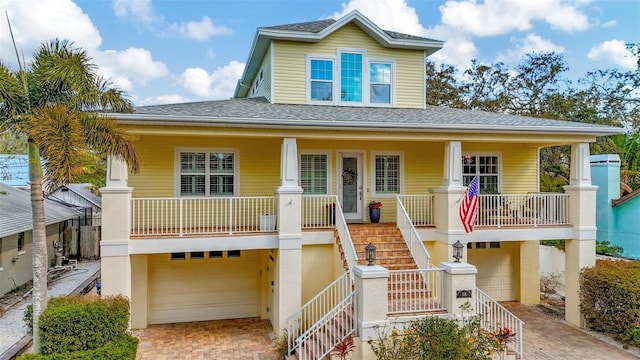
290 66
518 167
259 161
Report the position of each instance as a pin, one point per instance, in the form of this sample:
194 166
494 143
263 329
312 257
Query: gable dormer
344 62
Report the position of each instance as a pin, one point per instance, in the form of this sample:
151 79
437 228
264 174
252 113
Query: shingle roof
317 26
15 211
258 111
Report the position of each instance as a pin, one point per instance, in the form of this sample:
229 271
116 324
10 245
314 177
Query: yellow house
253 206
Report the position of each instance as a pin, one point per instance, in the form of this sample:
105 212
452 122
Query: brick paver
549 338
221 339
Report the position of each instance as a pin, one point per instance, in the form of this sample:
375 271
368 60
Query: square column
372 304
459 287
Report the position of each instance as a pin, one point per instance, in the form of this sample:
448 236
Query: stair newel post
459 287
372 304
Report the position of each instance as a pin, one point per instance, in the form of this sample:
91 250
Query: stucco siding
290 65
317 270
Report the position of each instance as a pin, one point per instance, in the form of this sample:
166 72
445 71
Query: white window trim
373 174
327 153
176 168
500 168
308 79
366 81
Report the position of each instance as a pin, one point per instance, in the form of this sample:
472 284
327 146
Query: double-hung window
321 79
387 174
351 78
207 173
486 168
314 173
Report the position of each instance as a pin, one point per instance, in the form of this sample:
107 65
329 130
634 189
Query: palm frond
103 135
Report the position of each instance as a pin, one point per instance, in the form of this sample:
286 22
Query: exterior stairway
391 250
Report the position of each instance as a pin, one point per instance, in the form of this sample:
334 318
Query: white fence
496 318
535 209
412 291
196 216
410 235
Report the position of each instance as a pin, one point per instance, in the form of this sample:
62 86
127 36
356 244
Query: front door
351 184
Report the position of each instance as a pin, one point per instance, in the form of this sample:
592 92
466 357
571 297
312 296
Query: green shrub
610 299
604 247
77 323
123 349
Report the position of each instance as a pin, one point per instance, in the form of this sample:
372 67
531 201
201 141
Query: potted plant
331 208
374 211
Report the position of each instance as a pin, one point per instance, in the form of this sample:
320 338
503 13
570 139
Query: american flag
469 205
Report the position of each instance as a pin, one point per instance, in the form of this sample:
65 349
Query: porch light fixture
370 252
457 250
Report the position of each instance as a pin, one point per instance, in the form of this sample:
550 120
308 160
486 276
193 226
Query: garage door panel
495 271
203 289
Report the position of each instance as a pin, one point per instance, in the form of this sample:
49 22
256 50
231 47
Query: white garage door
496 269
203 289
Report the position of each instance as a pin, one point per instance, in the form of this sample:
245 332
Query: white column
116 215
580 250
373 304
452 176
288 276
459 286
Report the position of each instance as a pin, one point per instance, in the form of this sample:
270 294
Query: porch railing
335 300
496 317
408 230
534 209
419 208
319 211
198 216
412 291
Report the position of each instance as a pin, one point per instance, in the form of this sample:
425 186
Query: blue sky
165 51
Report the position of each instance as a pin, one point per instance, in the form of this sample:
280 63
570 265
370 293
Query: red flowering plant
375 204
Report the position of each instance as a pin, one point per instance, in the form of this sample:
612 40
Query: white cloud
530 43
140 10
609 24
498 17
218 85
33 25
199 30
129 67
161 99
614 52
393 15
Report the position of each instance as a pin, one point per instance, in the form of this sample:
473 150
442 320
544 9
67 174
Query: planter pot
332 215
374 215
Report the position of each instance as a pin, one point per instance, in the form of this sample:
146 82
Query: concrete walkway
13 333
548 338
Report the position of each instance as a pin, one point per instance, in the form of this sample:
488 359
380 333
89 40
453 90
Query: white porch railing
199 216
409 233
337 299
319 211
419 208
496 317
534 209
412 291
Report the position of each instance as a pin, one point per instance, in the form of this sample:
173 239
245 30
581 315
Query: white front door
351 184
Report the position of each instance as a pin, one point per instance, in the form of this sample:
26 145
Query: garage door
203 289
496 269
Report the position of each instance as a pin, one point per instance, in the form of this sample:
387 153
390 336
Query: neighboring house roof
622 200
257 112
14 170
16 215
83 190
316 31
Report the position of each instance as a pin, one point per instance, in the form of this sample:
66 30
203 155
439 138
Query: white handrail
419 208
412 291
319 211
411 237
533 209
317 308
349 249
496 317
199 216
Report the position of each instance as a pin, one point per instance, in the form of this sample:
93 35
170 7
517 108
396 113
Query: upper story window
207 173
387 172
486 167
314 173
360 80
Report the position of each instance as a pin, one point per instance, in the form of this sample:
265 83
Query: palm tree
60 103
